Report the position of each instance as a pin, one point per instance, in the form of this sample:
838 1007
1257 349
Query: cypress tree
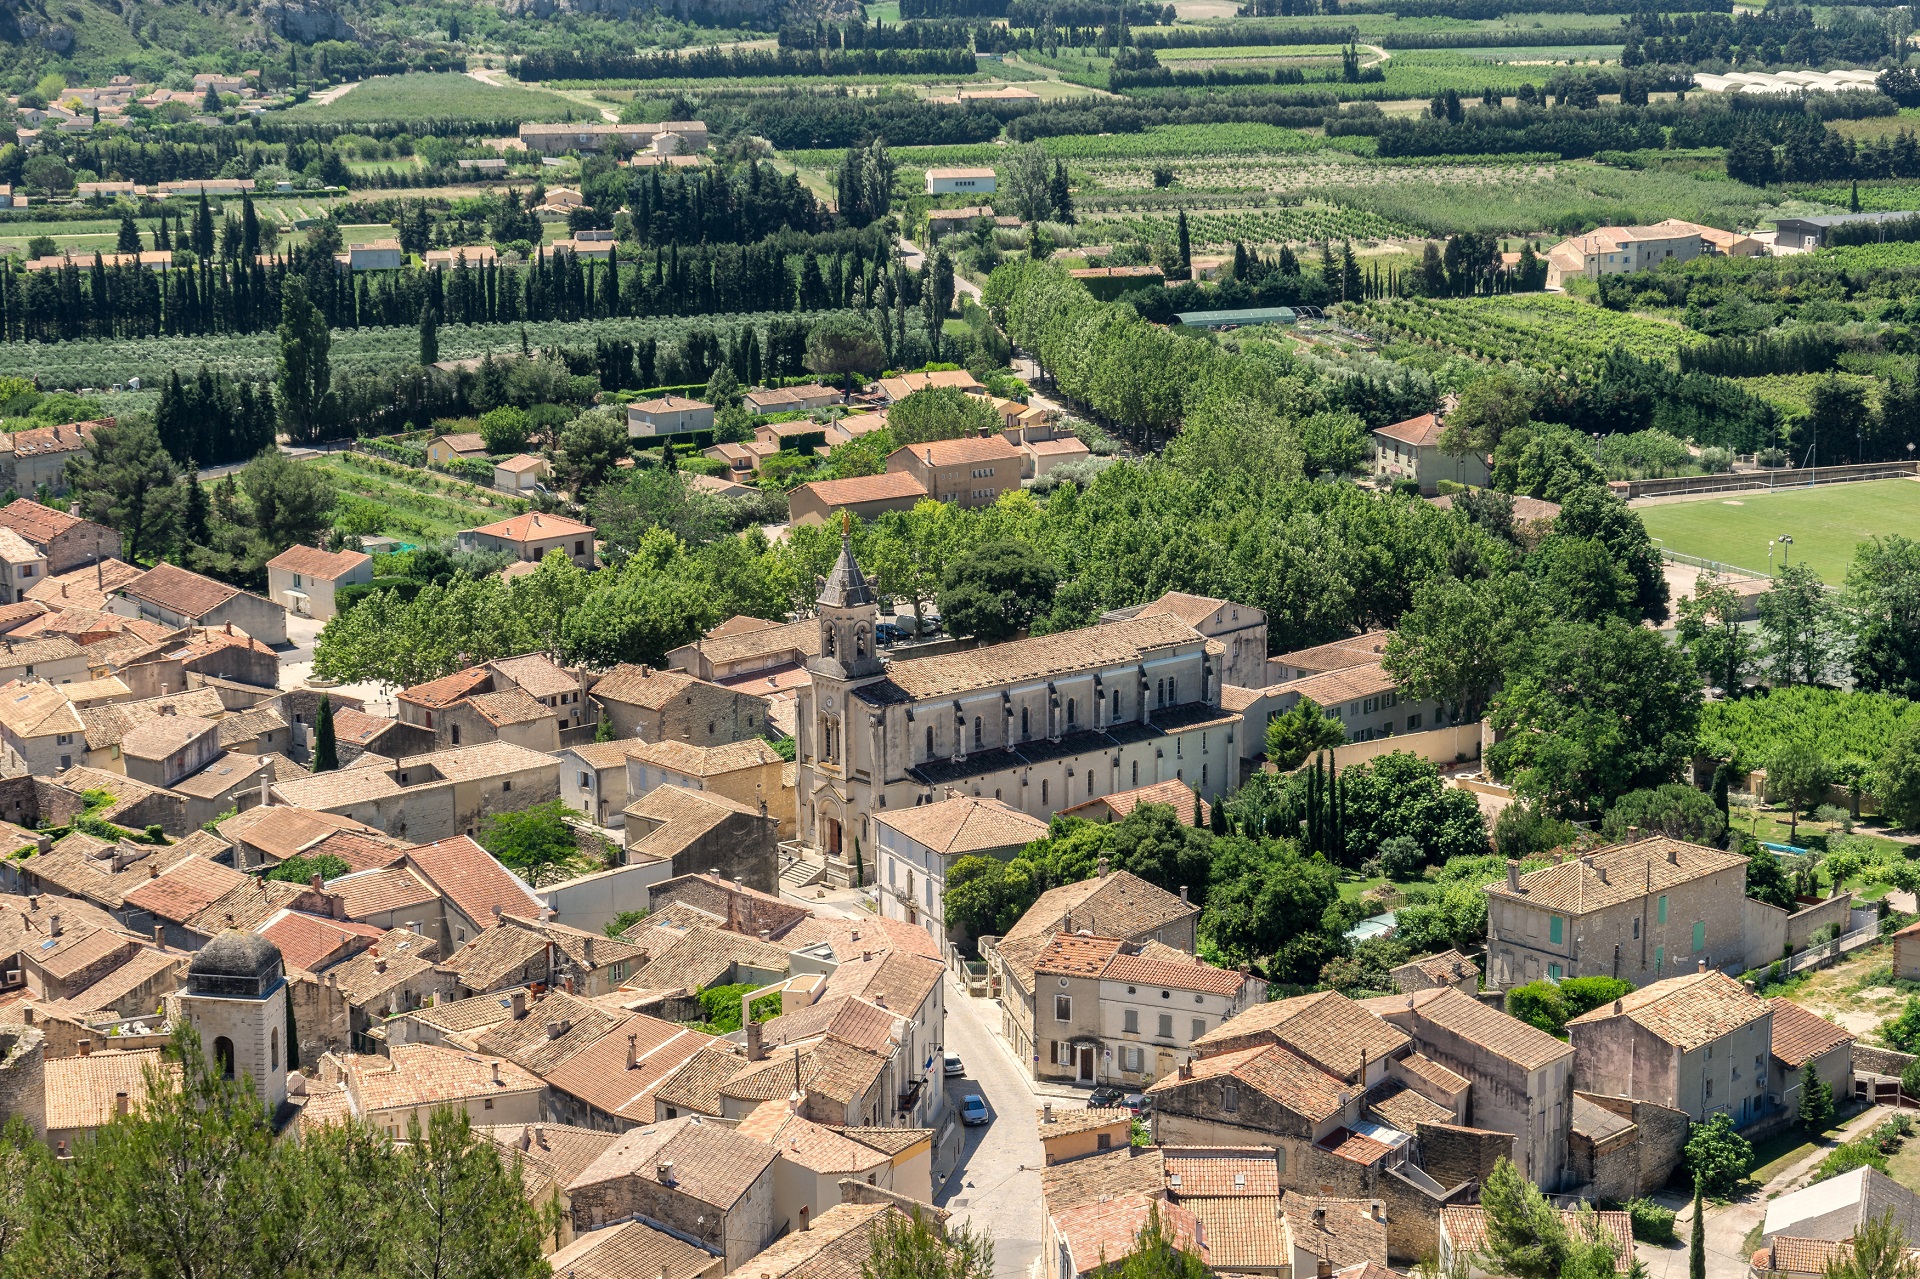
429 337
326 757
129 238
193 523
1697 1254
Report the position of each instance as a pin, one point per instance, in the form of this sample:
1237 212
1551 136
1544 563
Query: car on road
973 1109
954 1066
1105 1097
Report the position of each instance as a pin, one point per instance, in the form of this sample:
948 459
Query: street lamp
1786 541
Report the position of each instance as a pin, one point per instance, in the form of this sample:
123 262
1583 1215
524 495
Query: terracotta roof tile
600 1076
1062 1121
696 1085
1466 1227
311 561
837 1245
1173 793
1687 1011
705 761
307 941
1799 1036
184 889
472 879
632 1250
1345 1233
1418 431
965 824
1221 1170
1631 871
711 1162
1120 904
88 587
1356 650
448 689
1189 974
1242 1231
35 522
1326 1028
536 674
533 527
1499 1033
1275 1073
178 591
374 892
1103 1233
80 1090
1103 1176
431 1075
886 486
1109 644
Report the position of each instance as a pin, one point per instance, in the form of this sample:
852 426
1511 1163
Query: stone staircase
800 873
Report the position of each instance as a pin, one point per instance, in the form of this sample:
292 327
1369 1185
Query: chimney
633 1051
1702 968
756 1045
153 870
53 925
337 905
1186 1070
1377 1210
86 1047
496 1071
1513 875
1183 892
120 1103
1319 1218
1046 1113
540 1136
33 901
519 1004
1324 1270
1619 1005
159 935
663 1172
805 1218
1633 834
866 956
1673 856
379 961
229 628
166 708
27 1013
317 883
554 1030
766 934
1601 871
266 797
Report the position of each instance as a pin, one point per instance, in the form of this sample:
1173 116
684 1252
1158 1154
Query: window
488 1103
1173 690
1103 1141
1043 790
1556 972
1230 1097
223 1056
1166 1026
1063 1007
1636 928
929 741
1203 777
1053 1052
1136 773
273 1050
618 972
1026 724
1699 935
1160 692
1663 908
1199 1027
1132 1058
1555 926
1132 1020
1071 712
1659 958
1413 723
456 734
976 732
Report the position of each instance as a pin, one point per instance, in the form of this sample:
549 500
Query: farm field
1305 224
1825 523
436 96
418 506
1552 334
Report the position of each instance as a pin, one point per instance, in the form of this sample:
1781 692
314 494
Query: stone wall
1636 1161
1453 1154
23 1086
738 1233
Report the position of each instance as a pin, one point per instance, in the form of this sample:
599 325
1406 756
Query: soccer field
1825 523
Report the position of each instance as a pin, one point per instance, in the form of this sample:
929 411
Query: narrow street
996 1185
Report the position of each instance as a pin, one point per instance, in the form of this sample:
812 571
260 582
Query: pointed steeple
846 586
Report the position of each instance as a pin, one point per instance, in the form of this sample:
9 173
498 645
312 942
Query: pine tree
326 755
1816 1101
193 520
129 238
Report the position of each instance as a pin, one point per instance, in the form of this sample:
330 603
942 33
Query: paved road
910 256
996 1185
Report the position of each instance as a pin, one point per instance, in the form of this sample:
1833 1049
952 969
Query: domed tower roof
235 965
846 586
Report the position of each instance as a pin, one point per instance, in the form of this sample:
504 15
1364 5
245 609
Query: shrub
1400 857
1852 1155
1651 1222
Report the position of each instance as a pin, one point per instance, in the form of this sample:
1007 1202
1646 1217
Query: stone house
862 496
433 796
1260 1096
175 597
1620 1148
668 415
1699 1043
1430 972
1411 450
168 748
748 771
674 706
698 1178
392 1092
593 781
1641 911
918 846
691 832
40 731
1073 1134
67 542
1802 1039
1522 1077
39 455
1157 1002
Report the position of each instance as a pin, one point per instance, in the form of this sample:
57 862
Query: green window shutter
1699 934
1663 908
1659 958
1553 930
1555 971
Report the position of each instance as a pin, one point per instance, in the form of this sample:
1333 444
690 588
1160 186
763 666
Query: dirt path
337 92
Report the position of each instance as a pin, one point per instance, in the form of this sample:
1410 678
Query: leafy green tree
997 590
653 500
723 388
1816 1102
640 617
1802 626
1547 462
1709 629
1457 640
1157 844
1883 599
621 922
1268 898
304 387
1526 1237
1028 181
1584 994
1158 1253
1599 710
1902 1031
1718 1157
1489 409
536 842
127 481
913 1247
1303 729
1538 1003
1523 829
504 429
1597 515
1899 777
1801 776
1581 581
1674 809
301 870
289 503
1766 881
1402 794
591 447
940 413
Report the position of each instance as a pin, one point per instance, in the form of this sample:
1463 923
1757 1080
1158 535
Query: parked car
891 633
954 1066
1105 1097
973 1109
1138 1102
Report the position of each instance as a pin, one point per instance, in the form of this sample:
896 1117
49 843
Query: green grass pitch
1826 523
